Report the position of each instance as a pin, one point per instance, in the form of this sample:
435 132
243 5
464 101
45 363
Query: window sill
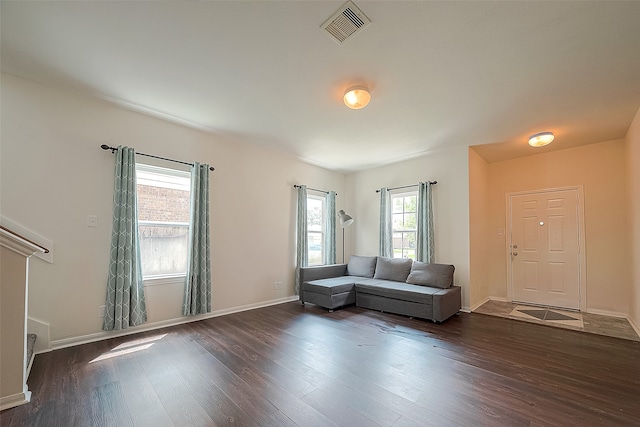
164 280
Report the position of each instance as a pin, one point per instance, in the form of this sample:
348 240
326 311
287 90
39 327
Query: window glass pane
315 248
163 215
163 204
398 220
315 229
404 225
410 203
409 240
163 249
397 245
409 253
314 214
397 204
410 221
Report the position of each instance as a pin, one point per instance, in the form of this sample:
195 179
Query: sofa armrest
322 272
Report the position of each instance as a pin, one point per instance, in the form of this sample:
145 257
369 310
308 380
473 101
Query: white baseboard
475 306
634 325
14 400
42 331
99 336
487 299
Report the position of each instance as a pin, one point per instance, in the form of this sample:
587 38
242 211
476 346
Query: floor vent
346 22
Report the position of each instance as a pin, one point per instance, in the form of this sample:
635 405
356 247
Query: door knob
515 246
515 254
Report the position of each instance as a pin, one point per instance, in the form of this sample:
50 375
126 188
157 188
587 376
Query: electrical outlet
277 286
101 311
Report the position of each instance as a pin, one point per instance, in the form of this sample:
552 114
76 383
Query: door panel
545 248
531 277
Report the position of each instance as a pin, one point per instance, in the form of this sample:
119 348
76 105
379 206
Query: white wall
54 174
449 167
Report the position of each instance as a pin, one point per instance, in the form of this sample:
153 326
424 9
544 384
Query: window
404 224
163 218
315 229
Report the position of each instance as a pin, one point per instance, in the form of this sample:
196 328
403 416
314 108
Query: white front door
545 248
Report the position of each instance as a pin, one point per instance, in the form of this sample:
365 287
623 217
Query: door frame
582 265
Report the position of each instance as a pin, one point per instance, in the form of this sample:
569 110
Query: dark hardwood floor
289 365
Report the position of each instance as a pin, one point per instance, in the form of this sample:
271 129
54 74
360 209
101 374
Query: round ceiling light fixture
541 139
357 97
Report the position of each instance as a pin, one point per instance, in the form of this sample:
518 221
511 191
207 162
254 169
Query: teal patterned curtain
125 304
330 229
386 247
302 247
424 237
197 293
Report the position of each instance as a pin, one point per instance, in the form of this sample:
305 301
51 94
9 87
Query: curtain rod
113 149
313 189
407 186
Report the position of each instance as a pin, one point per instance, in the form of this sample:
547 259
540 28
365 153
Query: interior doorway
545 248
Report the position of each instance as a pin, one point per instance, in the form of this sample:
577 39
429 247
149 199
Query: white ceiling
440 73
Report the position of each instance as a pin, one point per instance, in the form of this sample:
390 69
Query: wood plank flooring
293 365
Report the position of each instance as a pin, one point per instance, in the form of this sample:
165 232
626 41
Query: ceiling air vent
346 22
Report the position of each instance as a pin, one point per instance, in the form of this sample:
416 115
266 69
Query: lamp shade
541 139
357 97
345 220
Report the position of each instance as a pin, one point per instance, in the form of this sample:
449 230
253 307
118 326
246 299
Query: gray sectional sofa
393 285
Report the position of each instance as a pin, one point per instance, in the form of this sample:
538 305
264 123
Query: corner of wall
632 154
478 218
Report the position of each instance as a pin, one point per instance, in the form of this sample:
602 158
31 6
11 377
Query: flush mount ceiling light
541 139
357 97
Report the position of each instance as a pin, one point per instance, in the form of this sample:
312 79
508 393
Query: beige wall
53 174
450 168
13 293
479 234
633 190
600 168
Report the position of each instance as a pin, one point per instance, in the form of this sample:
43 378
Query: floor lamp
345 221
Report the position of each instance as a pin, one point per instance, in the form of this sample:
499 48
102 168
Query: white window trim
164 224
167 279
161 177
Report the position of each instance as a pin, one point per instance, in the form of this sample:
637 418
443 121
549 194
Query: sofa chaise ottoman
393 285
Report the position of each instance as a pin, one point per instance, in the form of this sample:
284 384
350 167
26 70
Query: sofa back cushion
363 266
396 269
434 275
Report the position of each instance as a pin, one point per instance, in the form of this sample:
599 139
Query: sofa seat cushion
331 286
398 290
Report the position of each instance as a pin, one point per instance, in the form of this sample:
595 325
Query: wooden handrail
46 251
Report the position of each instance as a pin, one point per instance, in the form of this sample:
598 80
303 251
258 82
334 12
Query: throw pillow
363 266
393 269
435 275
